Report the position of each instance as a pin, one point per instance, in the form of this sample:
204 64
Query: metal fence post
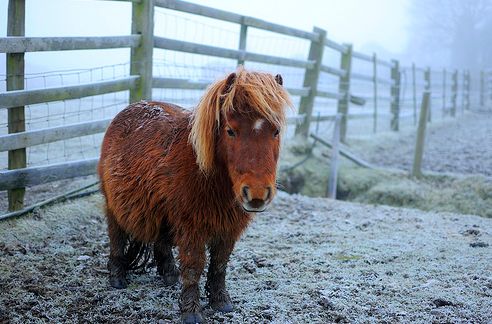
141 56
419 144
482 88
375 88
311 77
428 87
489 82
454 93
468 88
414 88
444 74
344 90
463 88
15 81
332 179
243 34
395 95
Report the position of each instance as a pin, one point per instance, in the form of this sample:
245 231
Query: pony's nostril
246 193
268 193
257 203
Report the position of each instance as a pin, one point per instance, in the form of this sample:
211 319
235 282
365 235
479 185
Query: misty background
436 33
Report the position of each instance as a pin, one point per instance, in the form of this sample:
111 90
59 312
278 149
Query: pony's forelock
255 91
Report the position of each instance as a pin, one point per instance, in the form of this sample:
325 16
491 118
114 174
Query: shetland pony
192 180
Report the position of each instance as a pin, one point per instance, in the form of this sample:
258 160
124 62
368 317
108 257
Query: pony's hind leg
219 299
117 261
163 255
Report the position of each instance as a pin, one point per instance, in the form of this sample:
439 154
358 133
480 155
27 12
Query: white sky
377 23
348 21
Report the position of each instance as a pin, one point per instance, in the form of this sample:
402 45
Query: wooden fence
140 83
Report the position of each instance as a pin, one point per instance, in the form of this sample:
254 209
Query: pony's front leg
219 299
192 262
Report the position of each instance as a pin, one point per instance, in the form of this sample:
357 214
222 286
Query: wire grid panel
202 68
196 29
66 112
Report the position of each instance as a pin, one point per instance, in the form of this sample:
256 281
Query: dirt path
463 145
305 261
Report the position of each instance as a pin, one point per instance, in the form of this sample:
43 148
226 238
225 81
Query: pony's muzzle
256 199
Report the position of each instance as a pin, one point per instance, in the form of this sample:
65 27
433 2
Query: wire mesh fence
67 112
371 98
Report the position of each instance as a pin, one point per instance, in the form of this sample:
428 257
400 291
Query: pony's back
136 142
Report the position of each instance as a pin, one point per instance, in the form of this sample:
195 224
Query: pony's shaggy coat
167 178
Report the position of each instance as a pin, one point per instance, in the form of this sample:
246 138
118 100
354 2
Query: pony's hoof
118 282
191 318
223 306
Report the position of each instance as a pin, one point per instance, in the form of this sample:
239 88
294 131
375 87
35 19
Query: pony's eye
231 133
276 133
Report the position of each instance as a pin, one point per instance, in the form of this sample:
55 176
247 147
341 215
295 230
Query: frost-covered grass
458 194
449 150
306 260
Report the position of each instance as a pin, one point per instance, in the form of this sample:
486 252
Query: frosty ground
461 145
306 260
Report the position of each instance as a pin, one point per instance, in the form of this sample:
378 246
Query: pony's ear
279 79
229 83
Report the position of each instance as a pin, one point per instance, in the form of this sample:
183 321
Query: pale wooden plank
332 70
214 13
188 47
141 62
53 134
28 97
15 81
419 144
41 44
19 178
311 77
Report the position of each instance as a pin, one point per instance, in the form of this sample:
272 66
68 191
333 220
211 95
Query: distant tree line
459 29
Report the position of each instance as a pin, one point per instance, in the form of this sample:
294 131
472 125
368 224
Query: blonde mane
253 90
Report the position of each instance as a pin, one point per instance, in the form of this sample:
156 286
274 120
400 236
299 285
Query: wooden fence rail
140 82
16 98
41 44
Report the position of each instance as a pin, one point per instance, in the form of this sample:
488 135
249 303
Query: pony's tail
137 255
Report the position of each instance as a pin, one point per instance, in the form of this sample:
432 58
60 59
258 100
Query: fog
436 33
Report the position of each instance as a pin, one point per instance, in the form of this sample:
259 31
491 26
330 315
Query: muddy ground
306 260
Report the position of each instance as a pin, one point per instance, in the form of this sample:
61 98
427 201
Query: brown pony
191 180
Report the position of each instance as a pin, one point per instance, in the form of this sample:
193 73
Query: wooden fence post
428 87
419 144
332 179
311 77
454 93
444 74
243 34
414 87
395 95
375 83
15 81
141 56
344 90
